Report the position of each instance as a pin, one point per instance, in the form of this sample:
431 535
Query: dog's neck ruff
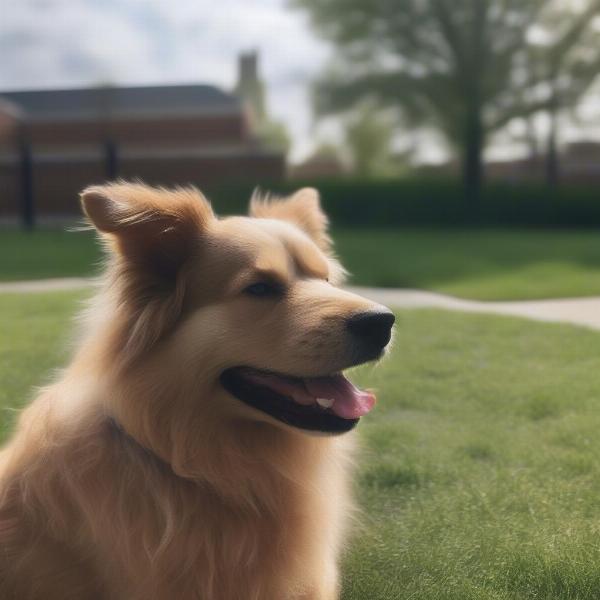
123 436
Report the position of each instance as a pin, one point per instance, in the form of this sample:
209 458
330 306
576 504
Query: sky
73 43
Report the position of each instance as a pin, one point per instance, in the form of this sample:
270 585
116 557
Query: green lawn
480 473
35 330
47 253
485 264
479 264
481 478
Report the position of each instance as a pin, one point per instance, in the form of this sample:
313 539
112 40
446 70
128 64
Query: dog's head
244 312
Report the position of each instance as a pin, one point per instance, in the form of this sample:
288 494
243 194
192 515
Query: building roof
142 101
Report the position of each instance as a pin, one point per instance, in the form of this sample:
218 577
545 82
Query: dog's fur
136 476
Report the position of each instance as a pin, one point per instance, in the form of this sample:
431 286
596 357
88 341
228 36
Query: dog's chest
254 553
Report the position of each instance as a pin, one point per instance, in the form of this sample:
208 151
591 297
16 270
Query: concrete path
45 285
578 311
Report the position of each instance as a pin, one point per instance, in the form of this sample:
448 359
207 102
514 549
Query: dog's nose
373 327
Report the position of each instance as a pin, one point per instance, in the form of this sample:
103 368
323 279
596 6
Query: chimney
249 87
247 68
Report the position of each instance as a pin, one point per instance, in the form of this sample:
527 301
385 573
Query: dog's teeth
325 402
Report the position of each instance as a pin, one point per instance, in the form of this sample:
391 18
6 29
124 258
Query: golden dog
189 451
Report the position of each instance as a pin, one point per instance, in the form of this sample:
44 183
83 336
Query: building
578 164
250 88
53 143
320 165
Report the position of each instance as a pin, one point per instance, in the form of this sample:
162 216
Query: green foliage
440 61
478 476
433 201
274 134
464 68
566 50
565 55
368 137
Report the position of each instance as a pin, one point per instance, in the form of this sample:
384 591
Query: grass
479 476
485 264
47 253
34 334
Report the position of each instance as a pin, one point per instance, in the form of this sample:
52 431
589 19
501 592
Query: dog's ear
152 232
149 227
303 208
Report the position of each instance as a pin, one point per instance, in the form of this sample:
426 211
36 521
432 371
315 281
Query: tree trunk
531 139
472 166
552 159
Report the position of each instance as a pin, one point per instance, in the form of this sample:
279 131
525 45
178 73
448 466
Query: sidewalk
577 311
45 285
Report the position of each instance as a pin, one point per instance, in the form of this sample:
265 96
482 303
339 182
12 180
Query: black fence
32 185
19 174
35 185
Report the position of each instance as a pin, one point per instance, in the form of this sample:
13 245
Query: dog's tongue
349 402
341 397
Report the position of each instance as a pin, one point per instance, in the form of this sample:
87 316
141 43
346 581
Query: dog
197 446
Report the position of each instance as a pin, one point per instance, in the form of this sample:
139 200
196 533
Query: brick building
55 142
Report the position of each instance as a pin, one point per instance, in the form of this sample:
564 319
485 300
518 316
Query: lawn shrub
398 202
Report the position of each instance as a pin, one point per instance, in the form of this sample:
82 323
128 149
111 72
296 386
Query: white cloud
60 43
52 43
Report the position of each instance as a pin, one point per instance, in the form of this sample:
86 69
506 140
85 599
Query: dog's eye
263 289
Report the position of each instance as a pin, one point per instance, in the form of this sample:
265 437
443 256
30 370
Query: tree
459 65
565 54
274 134
368 135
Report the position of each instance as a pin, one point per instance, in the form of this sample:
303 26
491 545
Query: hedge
390 203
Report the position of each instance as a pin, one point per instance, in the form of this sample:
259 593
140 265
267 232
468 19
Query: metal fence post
27 192
111 158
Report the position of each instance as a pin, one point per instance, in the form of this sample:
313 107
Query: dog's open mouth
329 404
